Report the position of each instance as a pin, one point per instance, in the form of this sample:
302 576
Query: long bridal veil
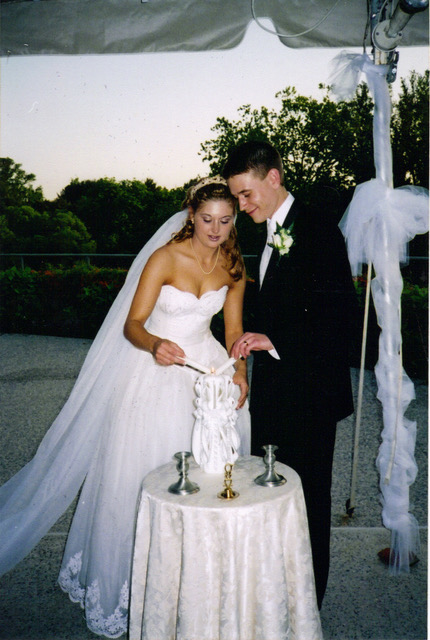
33 499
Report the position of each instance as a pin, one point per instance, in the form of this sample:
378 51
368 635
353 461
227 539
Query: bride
132 405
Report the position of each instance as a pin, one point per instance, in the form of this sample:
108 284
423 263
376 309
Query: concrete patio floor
362 601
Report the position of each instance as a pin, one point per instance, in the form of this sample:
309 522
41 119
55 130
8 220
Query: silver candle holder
270 478
183 486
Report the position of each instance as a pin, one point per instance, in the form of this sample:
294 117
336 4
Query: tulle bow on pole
377 226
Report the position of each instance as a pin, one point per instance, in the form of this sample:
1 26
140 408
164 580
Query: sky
145 115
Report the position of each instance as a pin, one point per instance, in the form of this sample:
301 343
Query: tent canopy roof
33 27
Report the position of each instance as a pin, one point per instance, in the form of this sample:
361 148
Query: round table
210 569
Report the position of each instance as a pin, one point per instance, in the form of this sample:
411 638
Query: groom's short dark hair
253 155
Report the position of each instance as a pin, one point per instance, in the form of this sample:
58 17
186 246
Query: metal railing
81 256
87 256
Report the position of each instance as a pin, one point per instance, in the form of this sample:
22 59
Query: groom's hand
250 342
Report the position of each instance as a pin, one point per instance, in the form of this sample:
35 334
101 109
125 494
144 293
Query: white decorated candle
215 441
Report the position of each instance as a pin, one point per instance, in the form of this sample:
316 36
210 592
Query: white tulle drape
377 226
33 499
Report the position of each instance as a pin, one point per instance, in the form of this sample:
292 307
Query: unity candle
215 440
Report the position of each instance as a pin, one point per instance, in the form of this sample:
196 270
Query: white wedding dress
150 418
126 415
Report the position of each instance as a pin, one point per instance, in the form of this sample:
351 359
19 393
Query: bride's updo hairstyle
213 188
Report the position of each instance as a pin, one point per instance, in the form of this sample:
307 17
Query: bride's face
213 221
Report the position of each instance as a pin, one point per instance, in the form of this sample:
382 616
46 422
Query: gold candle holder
228 493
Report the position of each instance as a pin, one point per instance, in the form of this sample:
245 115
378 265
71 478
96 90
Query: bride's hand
166 352
240 379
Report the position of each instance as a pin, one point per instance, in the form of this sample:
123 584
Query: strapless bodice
183 317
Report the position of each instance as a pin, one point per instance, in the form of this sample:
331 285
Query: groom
300 381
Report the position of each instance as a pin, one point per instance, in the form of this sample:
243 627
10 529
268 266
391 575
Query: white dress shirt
277 218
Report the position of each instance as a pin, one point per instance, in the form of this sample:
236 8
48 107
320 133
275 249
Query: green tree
16 187
410 144
322 143
22 228
121 216
410 129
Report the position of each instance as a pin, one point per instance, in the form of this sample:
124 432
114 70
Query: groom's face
258 197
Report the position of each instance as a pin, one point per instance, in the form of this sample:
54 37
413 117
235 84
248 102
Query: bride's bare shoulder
166 256
163 253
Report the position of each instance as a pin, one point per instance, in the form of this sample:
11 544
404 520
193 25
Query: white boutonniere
282 240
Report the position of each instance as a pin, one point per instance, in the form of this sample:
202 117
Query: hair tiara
204 182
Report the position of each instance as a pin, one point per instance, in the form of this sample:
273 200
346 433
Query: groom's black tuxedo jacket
304 307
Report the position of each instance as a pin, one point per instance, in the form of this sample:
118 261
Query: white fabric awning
34 27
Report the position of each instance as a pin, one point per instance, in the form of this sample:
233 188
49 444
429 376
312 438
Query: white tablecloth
207 569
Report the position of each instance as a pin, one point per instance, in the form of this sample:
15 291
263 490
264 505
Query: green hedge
74 301
59 302
414 306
